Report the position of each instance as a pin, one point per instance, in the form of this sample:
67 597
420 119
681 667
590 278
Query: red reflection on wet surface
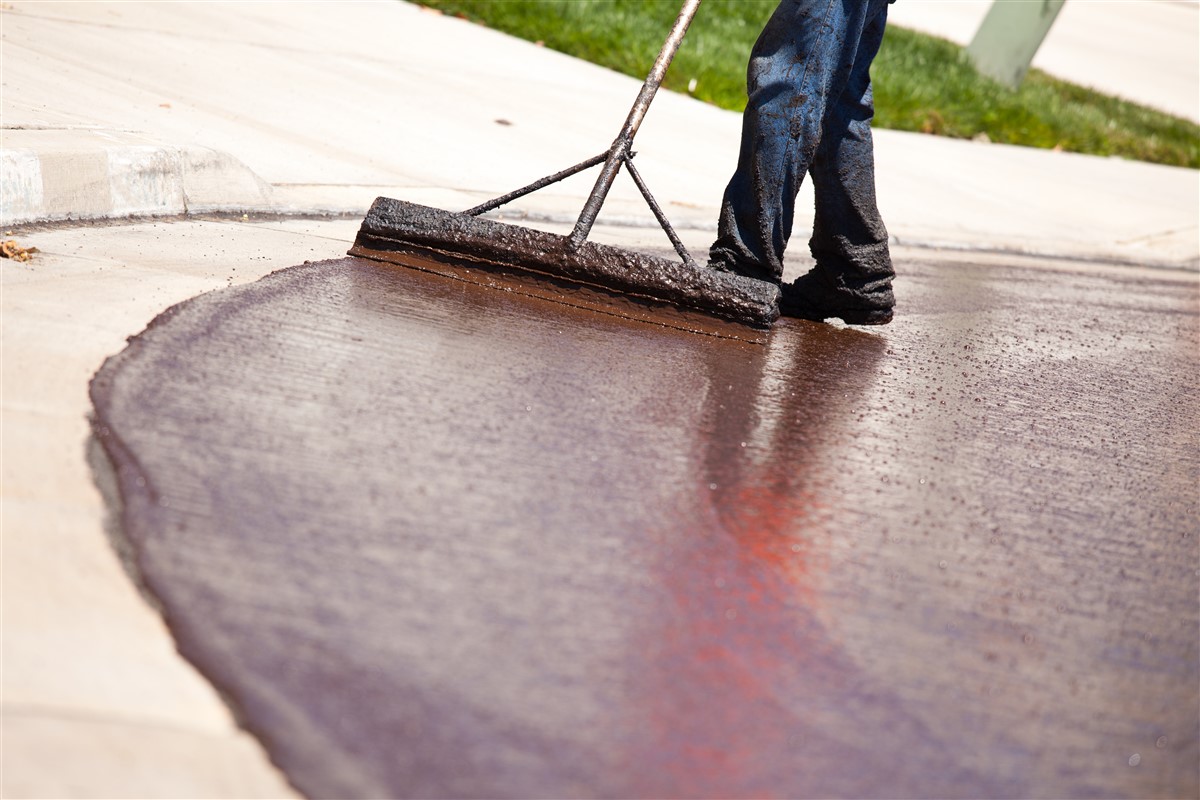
730 678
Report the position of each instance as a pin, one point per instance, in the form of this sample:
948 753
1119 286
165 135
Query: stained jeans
809 112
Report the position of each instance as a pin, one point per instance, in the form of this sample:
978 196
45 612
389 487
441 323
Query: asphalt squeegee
569 268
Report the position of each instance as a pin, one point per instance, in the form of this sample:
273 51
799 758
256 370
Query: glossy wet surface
438 540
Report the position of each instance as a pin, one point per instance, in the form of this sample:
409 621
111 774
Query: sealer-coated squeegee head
449 243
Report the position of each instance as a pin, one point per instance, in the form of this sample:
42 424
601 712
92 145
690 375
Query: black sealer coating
435 539
398 225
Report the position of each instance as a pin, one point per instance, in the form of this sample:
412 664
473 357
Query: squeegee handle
622 145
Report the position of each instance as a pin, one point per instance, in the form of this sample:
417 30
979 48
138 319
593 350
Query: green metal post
1010 35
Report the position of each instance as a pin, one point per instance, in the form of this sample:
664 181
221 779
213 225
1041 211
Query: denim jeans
809 112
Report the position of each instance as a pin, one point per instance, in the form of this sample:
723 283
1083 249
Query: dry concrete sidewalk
114 108
96 703
111 109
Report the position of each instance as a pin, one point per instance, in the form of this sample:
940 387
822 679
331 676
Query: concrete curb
52 175
62 175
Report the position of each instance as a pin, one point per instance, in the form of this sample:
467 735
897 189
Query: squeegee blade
421 236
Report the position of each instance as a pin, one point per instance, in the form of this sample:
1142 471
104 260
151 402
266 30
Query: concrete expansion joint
1109 258
52 175
101 716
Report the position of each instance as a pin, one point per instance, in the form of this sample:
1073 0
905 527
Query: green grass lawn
922 83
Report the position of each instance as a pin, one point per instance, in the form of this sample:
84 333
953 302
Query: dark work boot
722 261
811 297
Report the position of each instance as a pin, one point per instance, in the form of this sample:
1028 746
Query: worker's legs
802 61
849 241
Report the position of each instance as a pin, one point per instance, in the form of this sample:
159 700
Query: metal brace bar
658 212
538 184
